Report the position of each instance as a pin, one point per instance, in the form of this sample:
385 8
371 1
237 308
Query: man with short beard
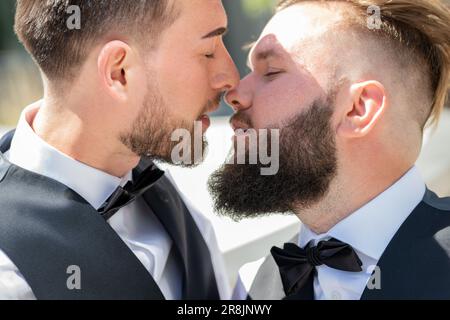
350 96
85 213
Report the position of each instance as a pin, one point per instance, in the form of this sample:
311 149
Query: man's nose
227 77
240 97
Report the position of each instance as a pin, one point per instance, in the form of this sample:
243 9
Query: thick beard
152 130
307 165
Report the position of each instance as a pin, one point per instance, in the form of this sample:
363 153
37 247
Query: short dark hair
58 50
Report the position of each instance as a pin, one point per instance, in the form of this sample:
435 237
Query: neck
347 193
82 139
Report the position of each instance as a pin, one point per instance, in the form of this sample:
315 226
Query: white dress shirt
141 232
368 230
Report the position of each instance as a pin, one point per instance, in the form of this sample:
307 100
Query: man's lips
212 106
211 109
236 125
206 113
206 122
240 121
204 118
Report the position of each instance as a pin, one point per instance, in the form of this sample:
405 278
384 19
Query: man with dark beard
85 213
307 164
350 95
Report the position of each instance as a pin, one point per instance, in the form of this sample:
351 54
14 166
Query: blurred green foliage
254 8
7 37
246 21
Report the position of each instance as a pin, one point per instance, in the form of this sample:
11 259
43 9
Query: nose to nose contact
238 98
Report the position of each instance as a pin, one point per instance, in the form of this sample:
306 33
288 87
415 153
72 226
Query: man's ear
368 102
113 64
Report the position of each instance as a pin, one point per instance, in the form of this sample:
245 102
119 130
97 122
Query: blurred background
241 242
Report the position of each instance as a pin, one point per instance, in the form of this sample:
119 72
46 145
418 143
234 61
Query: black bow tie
297 265
122 196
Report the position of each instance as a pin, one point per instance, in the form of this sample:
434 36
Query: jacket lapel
416 263
5 141
167 205
268 285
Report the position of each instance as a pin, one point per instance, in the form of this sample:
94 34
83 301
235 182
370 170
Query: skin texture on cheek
176 76
278 101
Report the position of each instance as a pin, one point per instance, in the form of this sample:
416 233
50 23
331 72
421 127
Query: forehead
298 25
203 12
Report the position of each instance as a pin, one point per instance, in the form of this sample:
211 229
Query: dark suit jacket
45 227
415 264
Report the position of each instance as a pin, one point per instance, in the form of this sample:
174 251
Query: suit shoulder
436 202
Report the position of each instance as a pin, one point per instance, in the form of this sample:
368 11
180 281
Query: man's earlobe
112 64
368 102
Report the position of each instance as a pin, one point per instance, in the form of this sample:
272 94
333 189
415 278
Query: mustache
243 118
218 98
213 103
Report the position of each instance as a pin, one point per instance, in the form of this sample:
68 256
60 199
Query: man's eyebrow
218 32
262 55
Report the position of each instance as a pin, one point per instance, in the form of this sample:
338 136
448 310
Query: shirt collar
371 228
30 152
